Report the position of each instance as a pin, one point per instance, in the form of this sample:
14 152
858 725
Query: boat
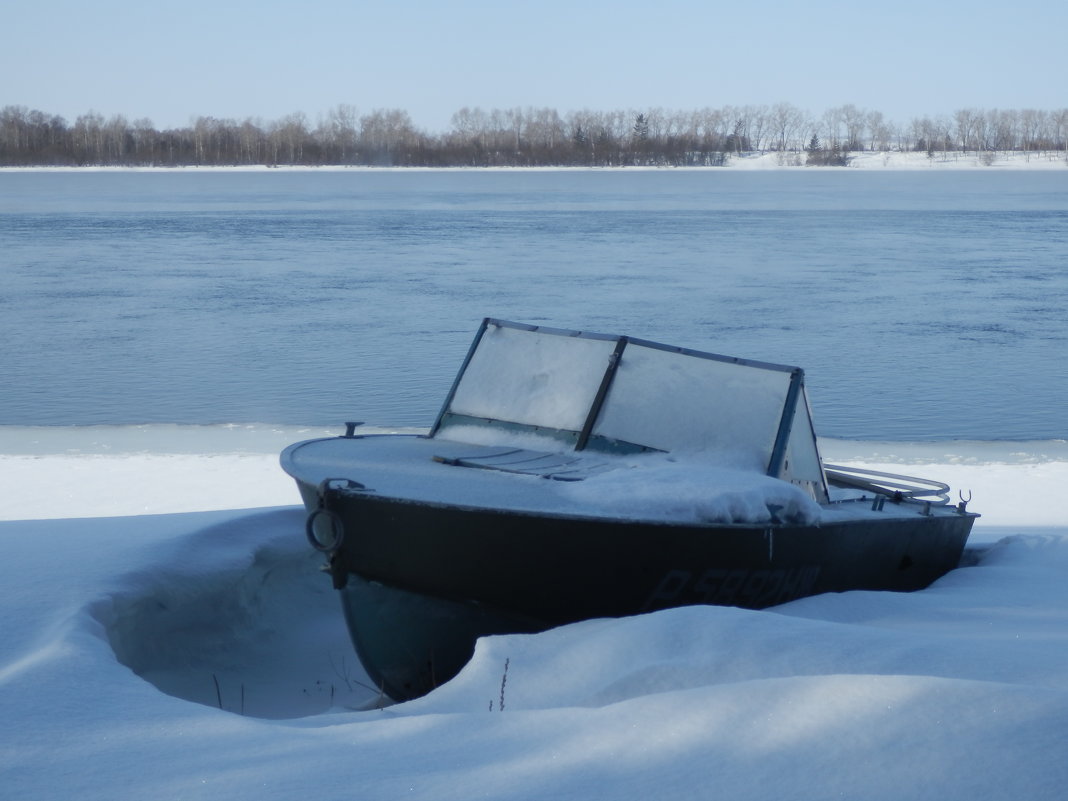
573 475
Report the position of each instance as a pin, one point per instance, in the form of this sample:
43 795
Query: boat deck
655 487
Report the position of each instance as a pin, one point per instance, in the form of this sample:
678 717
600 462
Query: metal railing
893 485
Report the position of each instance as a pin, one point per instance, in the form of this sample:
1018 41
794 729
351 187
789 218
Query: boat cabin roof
619 394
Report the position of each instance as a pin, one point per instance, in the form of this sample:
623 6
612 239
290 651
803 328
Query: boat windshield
626 395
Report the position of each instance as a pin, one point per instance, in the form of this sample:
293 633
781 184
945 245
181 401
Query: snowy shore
167 634
864 160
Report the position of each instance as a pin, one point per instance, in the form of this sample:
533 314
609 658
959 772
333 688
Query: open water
923 306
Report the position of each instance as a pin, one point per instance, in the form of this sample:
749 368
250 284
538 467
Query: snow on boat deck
654 487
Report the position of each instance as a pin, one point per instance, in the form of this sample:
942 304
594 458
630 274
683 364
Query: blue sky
264 59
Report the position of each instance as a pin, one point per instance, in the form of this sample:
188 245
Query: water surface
922 306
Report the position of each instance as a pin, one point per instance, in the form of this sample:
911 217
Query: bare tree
878 131
337 134
252 143
787 121
89 139
1030 127
388 137
759 124
854 120
1004 129
832 124
1059 120
964 119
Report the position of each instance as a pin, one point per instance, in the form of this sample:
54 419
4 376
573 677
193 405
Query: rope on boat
893 485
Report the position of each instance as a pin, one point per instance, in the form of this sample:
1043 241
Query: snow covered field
132 567
914 160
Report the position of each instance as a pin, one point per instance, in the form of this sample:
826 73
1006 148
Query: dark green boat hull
420 582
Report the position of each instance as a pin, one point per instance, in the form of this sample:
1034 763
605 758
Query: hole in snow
240 617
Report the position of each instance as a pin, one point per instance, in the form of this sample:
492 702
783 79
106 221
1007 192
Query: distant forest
527 137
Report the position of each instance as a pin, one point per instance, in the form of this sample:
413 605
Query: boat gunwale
906 508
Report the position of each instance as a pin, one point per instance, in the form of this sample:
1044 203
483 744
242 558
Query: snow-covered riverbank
191 569
863 160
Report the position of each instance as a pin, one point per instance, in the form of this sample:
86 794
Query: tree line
522 137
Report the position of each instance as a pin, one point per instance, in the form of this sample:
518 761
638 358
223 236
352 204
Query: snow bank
132 643
910 160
